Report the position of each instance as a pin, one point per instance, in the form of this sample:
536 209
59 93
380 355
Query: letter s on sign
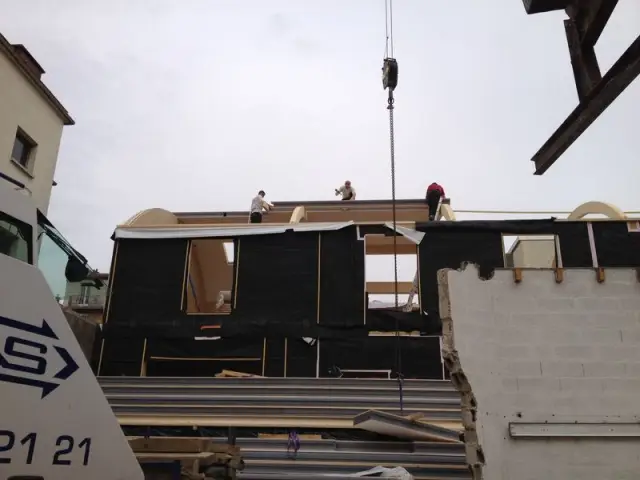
10 345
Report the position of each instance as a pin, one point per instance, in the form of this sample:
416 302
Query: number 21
10 442
68 440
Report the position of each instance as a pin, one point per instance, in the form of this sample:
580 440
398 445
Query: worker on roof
347 191
259 206
435 193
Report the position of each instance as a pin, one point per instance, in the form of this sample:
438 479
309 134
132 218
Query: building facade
87 298
31 123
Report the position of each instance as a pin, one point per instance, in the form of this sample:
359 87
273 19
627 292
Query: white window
23 150
85 293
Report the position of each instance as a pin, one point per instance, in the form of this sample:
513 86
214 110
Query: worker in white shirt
259 206
347 191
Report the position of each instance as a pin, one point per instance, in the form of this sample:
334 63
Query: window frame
29 145
26 232
85 294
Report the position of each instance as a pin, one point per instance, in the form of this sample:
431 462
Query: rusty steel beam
542 6
595 19
586 71
587 19
614 82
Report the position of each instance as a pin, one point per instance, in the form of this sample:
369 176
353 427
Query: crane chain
398 360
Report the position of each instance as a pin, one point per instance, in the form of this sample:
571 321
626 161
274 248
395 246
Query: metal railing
86 301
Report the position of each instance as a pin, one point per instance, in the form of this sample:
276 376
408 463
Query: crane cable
388 28
390 82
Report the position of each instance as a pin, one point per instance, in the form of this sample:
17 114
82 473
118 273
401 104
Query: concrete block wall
540 351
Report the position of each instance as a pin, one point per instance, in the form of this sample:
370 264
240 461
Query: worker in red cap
347 191
435 193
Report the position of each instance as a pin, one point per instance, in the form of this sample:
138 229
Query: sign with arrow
27 353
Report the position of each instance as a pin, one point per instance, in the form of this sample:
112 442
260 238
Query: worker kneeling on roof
259 206
347 191
435 193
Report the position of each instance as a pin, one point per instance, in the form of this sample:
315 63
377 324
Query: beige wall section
21 105
210 274
338 211
597 208
152 216
383 245
534 252
540 351
299 214
447 212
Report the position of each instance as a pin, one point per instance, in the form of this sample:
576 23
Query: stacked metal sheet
268 458
311 398
325 403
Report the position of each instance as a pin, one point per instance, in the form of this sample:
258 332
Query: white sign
55 422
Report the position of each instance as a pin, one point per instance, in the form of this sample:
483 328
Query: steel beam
586 71
542 6
574 430
614 82
595 19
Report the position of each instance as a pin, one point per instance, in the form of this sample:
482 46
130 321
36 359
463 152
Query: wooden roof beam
388 288
383 245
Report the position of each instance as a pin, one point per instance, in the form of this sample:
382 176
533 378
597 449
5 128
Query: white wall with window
31 123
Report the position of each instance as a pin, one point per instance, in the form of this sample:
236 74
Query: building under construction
283 307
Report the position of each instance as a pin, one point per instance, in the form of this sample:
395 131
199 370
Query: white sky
194 105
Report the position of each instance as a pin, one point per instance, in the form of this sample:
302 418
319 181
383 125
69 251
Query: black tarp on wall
342 278
391 320
574 244
121 356
420 356
302 356
199 368
293 357
449 244
147 292
214 348
615 245
448 249
146 284
573 236
193 358
277 279
274 352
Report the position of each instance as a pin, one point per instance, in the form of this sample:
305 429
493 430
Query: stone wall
541 352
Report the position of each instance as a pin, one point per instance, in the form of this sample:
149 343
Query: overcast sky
195 105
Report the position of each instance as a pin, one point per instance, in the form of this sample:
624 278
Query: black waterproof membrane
277 279
451 244
342 279
369 357
615 245
419 356
295 294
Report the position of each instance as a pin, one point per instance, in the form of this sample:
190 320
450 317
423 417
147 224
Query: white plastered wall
544 352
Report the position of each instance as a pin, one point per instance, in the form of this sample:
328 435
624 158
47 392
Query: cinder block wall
540 351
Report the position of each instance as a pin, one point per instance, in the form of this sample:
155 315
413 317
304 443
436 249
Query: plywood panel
210 272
